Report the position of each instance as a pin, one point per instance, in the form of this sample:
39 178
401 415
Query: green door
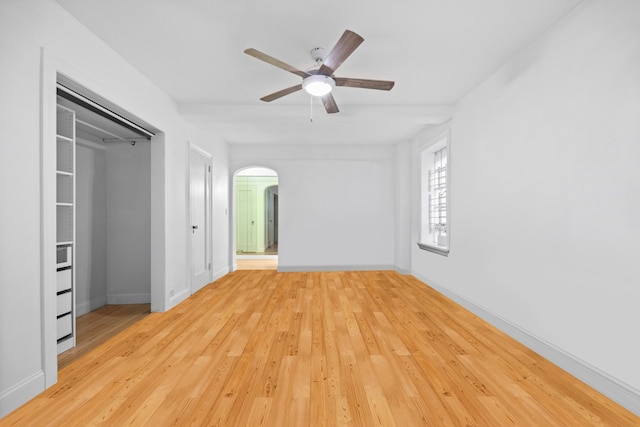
246 227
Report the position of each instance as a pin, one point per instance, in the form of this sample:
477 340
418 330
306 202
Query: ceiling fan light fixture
318 85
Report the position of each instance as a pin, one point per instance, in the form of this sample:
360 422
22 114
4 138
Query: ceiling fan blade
329 103
341 51
273 61
279 94
364 83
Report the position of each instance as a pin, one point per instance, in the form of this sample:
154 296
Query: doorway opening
256 219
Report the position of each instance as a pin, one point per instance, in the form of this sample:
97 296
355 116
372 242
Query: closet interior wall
113 182
91 225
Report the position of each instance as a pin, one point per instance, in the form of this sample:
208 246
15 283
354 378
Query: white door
200 215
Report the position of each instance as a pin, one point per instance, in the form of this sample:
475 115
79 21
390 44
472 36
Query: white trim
128 298
178 298
621 393
314 268
88 306
220 273
215 276
200 151
402 271
158 223
48 308
257 171
21 393
435 249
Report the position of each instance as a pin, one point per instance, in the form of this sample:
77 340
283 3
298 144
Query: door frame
193 151
270 208
233 266
51 66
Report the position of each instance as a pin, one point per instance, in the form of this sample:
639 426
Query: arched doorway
256 218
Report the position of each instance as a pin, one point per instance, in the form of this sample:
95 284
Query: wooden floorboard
100 325
257 264
261 348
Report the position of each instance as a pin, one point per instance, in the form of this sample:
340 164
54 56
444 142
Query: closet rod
85 102
132 142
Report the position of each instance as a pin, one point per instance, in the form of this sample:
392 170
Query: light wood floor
99 326
271 250
261 348
257 264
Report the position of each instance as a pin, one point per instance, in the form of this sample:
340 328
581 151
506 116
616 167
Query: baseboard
21 393
621 393
88 306
214 276
256 257
308 268
402 271
219 273
178 298
129 299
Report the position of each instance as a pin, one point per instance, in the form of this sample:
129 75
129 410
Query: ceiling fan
319 80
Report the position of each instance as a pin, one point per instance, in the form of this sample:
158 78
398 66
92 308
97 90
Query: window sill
435 249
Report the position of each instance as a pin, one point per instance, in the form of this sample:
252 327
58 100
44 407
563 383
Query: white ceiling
435 51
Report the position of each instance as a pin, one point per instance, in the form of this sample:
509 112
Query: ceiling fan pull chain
311 109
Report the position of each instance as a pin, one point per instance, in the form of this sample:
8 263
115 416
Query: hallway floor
316 349
271 250
99 326
257 264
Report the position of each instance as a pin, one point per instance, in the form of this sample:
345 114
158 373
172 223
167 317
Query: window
434 233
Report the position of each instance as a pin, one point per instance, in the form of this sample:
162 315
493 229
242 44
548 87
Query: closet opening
103 220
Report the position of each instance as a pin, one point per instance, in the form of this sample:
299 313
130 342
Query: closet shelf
65 227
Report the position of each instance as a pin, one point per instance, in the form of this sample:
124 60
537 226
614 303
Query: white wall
91 227
128 175
403 207
113 250
336 203
38 38
20 351
545 202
